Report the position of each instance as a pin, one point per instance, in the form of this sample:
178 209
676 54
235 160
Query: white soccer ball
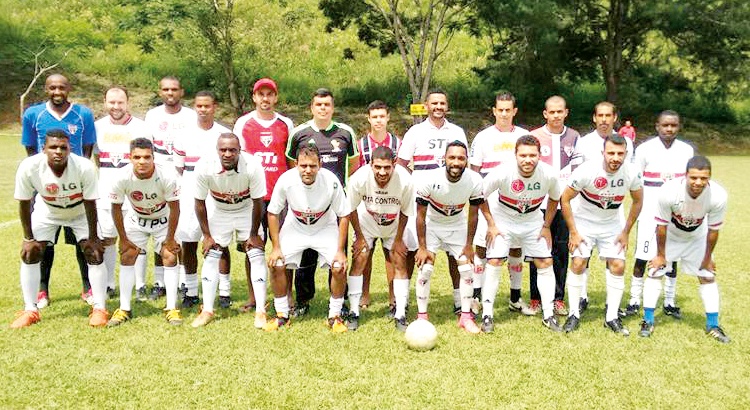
421 335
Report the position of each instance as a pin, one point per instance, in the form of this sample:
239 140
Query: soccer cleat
157 292
571 323
456 310
203 319
551 324
488 324
423 316
119 317
401 324
391 312
174 317
42 299
301 310
225 302
617 327
520 306
182 290
26 319
718 334
476 306
260 320
632 310
646 329
276 323
98 318
535 306
111 293
345 310
337 324
140 294
560 309
190 301
583 304
352 322
247 307
468 324
673 311
88 297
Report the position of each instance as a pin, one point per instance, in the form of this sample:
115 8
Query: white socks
258 275
515 269
478 275
110 259
545 281
140 270
651 291
355 292
422 288
466 286
210 279
334 306
281 305
710 294
615 289
489 290
225 285
401 293
171 276
575 283
670 290
636 290
30 277
127 282
98 280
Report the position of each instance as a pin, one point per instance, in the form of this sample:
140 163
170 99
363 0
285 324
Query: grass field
62 363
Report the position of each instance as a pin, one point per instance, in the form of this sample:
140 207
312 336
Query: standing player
315 199
521 189
380 196
628 131
236 183
490 148
153 193
67 192
114 133
196 141
660 159
442 223
264 133
78 122
424 144
558 143
378 116
336 144
167 123
594 221
690 213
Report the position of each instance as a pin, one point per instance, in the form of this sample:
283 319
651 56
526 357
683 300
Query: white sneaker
260 320
521 306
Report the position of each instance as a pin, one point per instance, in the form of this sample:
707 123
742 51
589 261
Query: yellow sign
417 109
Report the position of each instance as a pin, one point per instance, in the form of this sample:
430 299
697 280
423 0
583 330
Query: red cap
265 82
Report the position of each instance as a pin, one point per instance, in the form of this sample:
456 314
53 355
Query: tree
419 30
41 67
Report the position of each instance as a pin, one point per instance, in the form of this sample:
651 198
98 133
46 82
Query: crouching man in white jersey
67 198
690 214
594 221
443 223
153 193
522 188
381 197
237 183
315 199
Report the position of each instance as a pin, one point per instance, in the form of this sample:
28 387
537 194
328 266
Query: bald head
555 112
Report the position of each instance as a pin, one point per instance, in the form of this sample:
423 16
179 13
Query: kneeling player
381 197
315 199
67 193
595 222
690 213
153 193
237 184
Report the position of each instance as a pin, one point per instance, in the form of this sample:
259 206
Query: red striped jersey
689 218
232 191
148 197
602 193
366 145
447 201
492 147
520 198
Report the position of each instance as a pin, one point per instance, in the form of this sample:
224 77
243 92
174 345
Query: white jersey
446 201
62 196
602 193
378 208
232 191
689 218
659 164
166 128
492 147
188 149
311 207
519 198
425 144
148 197
113 148
590 147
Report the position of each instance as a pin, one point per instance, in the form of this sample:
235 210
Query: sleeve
149 123
257 180
24 190
117 193
491 182
423 193
578 179
406 152
178 152
29 137
475 153
477 194
555 191
718 210
351 143
89 129
408 198
171 187
664 205
201 181
354 190
339 203
640 158
293 143
636 179
90 181
278 197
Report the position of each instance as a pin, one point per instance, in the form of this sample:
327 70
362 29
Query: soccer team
180 178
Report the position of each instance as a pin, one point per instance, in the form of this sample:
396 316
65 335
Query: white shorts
293 243
371 240
140 229
188 228
690 254
452 241
524 236
603 237
410 232
223 226
480 237
45 228
645 248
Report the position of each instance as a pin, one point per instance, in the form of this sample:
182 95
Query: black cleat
301 310
225 302
456 310
646 329
182 290
551 324
617 327
352 322
488 324
111 293
141 295
632 310
157 292
391 312
571 323
718 334
401 324
190 301
583 304
673 311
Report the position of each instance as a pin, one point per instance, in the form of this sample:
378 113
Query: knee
168 258
543 263
616 267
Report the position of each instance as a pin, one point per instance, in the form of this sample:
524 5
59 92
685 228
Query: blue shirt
77 122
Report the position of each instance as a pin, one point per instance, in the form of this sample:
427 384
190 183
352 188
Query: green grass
62 363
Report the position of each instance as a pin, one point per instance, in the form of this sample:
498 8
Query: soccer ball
421 335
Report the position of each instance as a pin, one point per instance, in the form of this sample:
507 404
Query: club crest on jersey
517 186
72 128
606 200
336 145
440 160
266 138
52 188
115 159
523 205
600 182
163 126
308 217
